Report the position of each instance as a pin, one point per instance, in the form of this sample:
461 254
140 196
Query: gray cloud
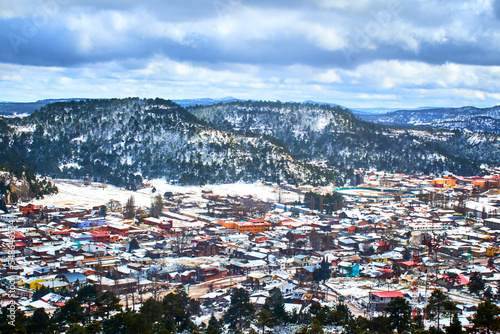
259 40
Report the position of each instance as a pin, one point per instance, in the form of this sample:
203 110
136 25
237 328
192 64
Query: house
209 273
378 300
301 260
348 269
306 274
29 209
258 279
73 278
102 236
452 283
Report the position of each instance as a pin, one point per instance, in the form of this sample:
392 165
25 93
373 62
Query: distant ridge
205 101
324 104
469 119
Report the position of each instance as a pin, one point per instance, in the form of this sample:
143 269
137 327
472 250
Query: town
328 256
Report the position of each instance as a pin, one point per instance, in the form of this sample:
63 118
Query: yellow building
445 181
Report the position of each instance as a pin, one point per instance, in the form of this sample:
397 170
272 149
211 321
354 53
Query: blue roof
73 277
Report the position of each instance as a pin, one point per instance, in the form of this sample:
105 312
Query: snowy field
76 193
364 193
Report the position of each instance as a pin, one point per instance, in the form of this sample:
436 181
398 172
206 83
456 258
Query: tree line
92 311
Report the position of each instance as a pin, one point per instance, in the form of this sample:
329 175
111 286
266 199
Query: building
378 300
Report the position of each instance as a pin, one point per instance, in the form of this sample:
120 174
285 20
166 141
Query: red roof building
378 300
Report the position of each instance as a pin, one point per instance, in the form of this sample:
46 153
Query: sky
356 53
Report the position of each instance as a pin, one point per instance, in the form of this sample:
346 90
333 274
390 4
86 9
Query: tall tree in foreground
276 305
40 323
455 326
486 319
87 295
399 314
436 305
70 313
265 319
240 310
213 326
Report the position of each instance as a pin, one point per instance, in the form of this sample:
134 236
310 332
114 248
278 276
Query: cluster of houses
375 249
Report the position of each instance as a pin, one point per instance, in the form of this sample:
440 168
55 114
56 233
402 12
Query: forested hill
335 135
120 140
470 119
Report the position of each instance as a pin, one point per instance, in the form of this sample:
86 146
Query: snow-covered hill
122 140
469 119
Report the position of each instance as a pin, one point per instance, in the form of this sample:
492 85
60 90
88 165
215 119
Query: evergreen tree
322 273
70 313
396 269
94 327
76 329
487 320
107 302
40 323
265 319
436 305
102 210
240 310
156 205
476 283
118 323
176 316
152 311
213 326
455 326
276 305
488 293
133 245
87 295
12 323
399 314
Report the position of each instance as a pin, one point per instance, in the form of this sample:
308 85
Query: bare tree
315 240
113 205
181 240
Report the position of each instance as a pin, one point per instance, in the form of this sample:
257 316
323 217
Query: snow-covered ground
76 193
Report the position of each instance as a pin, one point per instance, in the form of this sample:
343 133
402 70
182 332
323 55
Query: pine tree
276 305
40 323
213 326
476 283
240 310
399 313
265 319
436 305
455 326
487 318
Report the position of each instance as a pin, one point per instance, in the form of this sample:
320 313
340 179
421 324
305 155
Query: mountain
122 140
336 137
204 101
468 119
14 109
372 111
21 109
322 103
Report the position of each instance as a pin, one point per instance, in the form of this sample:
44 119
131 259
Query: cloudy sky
357 53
